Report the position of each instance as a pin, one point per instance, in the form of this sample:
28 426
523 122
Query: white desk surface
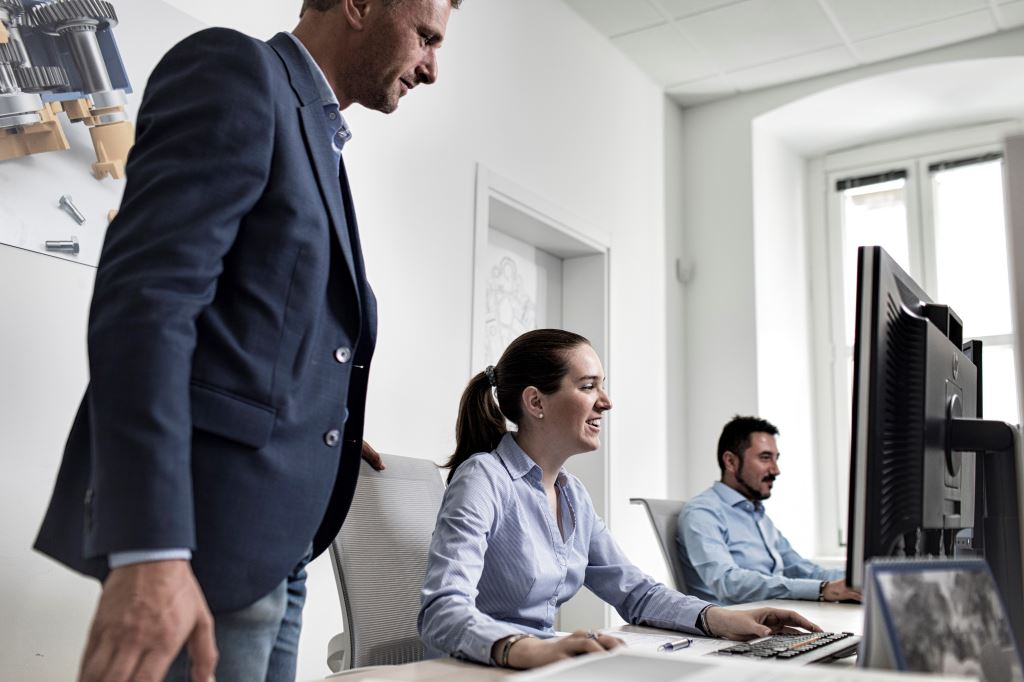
830 617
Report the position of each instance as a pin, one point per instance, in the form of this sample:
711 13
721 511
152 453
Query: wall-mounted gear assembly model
60 55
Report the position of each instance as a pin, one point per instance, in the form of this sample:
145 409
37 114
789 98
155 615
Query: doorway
536 266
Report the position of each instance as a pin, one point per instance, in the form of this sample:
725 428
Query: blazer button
343 354
332 438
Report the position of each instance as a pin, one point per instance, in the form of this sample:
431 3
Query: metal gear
12 6
41 78
9 54
58 13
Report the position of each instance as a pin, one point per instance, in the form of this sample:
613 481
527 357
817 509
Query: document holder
937 616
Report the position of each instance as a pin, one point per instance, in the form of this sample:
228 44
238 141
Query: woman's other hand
531 652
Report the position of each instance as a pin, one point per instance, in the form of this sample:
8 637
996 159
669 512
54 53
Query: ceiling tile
664 55
1011 14
793 68
757 31
700 91
613 17
926 37
863 19
683 8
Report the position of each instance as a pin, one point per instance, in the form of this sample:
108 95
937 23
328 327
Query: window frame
912 155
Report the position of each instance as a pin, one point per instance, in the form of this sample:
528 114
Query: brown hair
539 359
325 5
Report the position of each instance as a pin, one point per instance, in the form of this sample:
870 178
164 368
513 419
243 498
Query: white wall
721 316
44 302
783 327
527 89
676 256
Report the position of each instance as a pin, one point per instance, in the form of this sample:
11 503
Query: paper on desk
651 641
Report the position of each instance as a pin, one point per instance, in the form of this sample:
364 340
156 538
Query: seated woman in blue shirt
517 535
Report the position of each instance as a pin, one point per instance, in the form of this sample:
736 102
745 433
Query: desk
828 616
831 617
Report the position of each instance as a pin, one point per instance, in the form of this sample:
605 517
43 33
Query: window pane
970 247
873 215
999 388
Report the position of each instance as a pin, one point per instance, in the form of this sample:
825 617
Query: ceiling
700 50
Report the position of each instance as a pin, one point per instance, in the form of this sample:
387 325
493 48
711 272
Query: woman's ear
533 403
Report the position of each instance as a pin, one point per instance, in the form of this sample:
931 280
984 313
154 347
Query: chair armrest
338 656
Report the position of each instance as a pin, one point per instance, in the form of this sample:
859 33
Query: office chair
380 558
664 516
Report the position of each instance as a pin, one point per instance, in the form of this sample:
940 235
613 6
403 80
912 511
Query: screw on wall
70 246
65 203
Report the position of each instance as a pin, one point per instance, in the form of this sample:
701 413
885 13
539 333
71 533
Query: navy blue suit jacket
230 333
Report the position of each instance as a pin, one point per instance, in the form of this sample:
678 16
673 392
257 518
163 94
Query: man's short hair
324 5
735 436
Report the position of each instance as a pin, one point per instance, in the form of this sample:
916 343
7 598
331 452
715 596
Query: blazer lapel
327 175
316 134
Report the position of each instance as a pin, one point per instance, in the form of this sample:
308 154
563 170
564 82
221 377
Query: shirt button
332 116
332 437
343 355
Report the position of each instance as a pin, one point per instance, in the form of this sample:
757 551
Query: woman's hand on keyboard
753 623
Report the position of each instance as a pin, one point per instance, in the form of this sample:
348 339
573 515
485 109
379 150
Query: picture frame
938 616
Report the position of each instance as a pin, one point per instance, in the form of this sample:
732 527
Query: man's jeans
261 641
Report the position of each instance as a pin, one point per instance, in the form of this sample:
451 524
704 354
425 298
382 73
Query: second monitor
924 466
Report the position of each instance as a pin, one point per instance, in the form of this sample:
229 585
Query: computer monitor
924 466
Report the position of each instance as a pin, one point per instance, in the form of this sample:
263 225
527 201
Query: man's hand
531 652
754 623
146 613
372 457
836 590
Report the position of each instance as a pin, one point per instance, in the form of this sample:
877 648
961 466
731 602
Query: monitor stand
997 529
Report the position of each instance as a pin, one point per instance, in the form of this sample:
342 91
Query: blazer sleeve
200 163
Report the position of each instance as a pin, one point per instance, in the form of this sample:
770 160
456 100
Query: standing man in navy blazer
217 446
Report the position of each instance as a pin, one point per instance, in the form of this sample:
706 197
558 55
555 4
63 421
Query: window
971 272
939 213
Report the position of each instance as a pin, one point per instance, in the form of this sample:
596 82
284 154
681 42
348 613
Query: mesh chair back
380 558
664 516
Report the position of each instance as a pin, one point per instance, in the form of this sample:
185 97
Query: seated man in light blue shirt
732 553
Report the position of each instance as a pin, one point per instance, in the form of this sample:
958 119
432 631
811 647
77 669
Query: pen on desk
676 645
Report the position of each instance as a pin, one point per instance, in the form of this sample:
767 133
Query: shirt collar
733 498
323 88
327 97
517 462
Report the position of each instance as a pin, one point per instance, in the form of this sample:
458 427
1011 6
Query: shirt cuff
805 588
478 639
119 559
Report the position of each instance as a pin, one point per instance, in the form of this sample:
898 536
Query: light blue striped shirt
733 554
498 564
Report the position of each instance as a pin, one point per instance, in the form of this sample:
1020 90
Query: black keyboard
787 647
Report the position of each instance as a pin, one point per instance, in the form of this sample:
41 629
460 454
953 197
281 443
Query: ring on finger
591 634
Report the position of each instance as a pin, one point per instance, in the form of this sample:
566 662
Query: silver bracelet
507 648
702 621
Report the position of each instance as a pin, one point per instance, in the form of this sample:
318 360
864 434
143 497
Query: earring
540 416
